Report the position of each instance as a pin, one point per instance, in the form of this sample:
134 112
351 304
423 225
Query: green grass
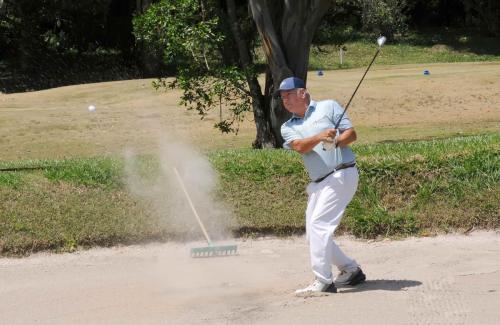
424 46
360 53
95 172
406 188
70 203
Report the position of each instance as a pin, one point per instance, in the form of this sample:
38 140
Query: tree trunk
264 137
142 5
287 55
150 61
300 20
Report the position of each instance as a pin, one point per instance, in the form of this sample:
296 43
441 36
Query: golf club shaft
359 84
192 206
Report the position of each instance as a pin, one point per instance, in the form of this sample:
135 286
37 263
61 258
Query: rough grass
408 188
71 203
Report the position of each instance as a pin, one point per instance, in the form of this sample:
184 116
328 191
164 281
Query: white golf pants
327 202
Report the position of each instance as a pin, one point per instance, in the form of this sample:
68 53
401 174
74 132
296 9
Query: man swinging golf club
334 179
322 133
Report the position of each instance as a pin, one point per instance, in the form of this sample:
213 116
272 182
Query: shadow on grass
38 71
385 285
278 231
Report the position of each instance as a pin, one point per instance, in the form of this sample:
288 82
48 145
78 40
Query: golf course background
428 154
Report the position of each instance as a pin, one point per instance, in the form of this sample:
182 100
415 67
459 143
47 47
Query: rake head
212 251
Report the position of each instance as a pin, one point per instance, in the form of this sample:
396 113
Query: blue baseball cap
289 84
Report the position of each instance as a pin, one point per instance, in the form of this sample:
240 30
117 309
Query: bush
484 14
385 17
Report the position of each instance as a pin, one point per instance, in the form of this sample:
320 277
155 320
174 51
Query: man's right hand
328 135
305 145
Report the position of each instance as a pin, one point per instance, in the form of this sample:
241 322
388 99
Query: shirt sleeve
289 135
345 123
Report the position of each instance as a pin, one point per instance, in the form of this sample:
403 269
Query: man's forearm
305 145
346 138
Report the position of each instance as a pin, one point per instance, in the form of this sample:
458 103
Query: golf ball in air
91 108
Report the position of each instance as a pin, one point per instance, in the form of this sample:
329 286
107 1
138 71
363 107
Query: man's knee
322 229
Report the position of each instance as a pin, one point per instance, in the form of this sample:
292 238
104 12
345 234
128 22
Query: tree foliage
211 45
51 43
485 14
35 26
384 17
193 35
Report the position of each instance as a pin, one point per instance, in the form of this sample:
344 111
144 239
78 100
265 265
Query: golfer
334 178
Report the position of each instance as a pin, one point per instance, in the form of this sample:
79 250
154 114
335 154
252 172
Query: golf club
380 41
329 145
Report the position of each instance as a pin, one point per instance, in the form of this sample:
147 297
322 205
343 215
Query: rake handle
192 206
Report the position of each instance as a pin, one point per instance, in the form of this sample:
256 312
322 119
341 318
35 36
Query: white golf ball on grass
91 108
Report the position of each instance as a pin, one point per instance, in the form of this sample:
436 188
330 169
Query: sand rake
211 249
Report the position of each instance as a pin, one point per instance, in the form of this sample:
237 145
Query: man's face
294 101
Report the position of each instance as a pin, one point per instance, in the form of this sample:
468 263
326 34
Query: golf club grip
192 206
354 93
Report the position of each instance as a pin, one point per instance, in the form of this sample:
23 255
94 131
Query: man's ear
302 92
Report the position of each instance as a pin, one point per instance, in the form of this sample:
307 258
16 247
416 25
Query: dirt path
451 279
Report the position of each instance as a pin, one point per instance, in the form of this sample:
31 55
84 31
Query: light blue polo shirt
318 117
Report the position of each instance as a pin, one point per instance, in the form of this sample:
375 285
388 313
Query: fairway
395 102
